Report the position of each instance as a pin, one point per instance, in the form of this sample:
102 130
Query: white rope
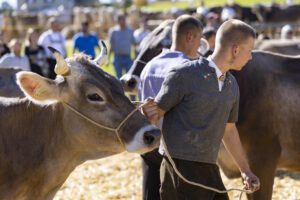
116 130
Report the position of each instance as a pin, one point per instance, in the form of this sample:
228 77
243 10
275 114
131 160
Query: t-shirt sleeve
234 113
172 90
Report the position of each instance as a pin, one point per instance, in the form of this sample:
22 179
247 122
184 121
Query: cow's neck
41 155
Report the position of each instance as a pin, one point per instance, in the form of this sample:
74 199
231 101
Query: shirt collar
213 65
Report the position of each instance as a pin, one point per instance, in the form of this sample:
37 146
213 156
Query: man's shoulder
192 66
77 36
93 35
114 28
44 34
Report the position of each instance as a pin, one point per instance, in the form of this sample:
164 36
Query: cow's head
261 11
151 46
99 97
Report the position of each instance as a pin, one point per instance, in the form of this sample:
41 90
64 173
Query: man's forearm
233 144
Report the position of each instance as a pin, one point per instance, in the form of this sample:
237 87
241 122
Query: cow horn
61 67
102 58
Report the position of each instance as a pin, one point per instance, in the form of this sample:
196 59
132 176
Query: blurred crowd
123 40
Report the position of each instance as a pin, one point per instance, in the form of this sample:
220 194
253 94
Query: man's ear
235 50
189 36
37 87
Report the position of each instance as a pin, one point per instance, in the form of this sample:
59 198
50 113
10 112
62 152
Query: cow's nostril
151 136
148 138
132 83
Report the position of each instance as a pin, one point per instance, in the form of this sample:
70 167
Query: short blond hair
185 24
233 32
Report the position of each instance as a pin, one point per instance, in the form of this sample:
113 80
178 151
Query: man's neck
86 34
122 27
183 49
220 60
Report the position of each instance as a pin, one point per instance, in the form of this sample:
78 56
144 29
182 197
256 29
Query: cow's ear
37 87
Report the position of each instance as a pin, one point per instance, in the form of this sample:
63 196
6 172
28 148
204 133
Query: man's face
54 26
244 54
121 21
16 48
84 27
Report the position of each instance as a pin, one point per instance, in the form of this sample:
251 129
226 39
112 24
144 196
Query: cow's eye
94 97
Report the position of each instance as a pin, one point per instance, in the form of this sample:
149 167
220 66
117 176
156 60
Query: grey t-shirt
196 111
121 40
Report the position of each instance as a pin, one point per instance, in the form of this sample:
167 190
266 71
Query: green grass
164 5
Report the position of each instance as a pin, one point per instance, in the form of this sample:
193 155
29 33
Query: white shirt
55 40
218 72
10 60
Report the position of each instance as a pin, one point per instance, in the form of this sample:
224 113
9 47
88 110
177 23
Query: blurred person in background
14 59
287 32
85 41
55 39
121 40
212 20
140 33
3 47
36 53
209 33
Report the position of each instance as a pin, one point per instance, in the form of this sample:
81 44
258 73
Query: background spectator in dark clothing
209 33
36 53
3 47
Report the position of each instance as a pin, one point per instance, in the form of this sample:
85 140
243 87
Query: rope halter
116 130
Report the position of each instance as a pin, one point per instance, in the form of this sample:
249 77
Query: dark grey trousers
174 188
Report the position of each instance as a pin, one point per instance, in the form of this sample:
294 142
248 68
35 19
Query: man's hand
150 110
251 181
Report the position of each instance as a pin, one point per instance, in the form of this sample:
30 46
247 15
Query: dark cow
276 13
288 47
268 118
244 13
8 85
151 46
62 123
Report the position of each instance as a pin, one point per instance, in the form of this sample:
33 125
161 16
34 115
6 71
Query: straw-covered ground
120 177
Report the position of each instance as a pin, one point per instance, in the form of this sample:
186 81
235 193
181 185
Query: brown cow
288 47
43 136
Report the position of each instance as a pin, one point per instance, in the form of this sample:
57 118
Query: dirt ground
120 177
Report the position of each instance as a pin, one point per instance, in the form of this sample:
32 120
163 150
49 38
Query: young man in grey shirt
199 101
